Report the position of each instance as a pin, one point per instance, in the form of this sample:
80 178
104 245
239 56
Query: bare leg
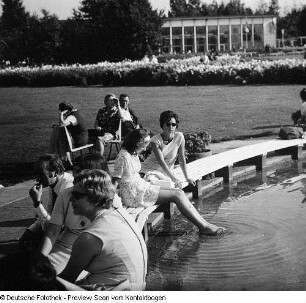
178 197
100 145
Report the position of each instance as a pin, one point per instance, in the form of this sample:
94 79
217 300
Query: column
183 39
218 37
171 42
195 37
253 42
206 40
229 34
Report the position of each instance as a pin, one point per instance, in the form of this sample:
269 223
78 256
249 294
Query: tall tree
120 29
274 7
301 24
14 23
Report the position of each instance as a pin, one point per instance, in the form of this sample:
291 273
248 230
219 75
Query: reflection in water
263 248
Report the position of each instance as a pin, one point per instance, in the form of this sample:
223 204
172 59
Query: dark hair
98 186
166 117
65 106
303 94
27 270
131 140
53 162
122 96
92 161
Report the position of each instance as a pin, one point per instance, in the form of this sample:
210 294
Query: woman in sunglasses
112 250
135 191
166 147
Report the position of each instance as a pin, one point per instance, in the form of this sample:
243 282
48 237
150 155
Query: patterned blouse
109 122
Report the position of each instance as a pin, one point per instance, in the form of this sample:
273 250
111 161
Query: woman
107 122
166 147
112 249
57 243
135 191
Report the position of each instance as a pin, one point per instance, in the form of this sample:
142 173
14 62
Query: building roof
220 17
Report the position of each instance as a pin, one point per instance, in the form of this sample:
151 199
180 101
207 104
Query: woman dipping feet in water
135 191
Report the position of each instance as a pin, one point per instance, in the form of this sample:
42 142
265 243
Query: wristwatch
36 204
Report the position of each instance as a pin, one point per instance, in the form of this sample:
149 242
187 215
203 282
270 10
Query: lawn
27 114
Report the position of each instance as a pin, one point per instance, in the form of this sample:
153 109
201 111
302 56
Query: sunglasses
168 124
78 195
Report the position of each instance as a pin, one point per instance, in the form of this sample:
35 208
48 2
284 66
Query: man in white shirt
128 118
50 173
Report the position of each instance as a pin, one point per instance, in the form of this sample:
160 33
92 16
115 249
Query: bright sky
63 8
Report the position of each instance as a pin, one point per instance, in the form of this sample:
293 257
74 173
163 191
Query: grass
27 114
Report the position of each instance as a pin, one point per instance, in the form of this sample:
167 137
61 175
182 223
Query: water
264 246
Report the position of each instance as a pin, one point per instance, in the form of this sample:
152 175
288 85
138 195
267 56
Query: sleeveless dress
123 257
151 167
134 190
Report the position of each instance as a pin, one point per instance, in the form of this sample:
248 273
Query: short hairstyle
92 161
166 117
65 106
109 97
134 137
122 96
98 186
27 270
303 94
52 161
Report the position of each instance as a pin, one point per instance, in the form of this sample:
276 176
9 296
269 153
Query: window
165 31
189 39
212 38
177 39
258 36
236 37
224 37
201 39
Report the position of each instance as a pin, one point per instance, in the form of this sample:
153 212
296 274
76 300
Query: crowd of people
83 236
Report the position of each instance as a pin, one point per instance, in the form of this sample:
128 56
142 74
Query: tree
14 23
120 29
301 23
262 8
273 7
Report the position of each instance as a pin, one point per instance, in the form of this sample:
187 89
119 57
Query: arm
96 124
84 249
69 120
160 159
36 194
182 160
52 232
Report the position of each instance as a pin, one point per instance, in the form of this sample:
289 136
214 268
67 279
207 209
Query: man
107 122
129 119
50 173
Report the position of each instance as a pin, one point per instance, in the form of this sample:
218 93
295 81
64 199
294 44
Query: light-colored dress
63 215
123 257
170 151
134 190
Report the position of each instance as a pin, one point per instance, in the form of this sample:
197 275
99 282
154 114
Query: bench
222 164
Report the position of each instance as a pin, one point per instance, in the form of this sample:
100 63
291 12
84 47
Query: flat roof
220 17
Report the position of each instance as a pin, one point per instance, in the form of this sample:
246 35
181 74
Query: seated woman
166 147
57 242
107 122
135 191
75 123
112 249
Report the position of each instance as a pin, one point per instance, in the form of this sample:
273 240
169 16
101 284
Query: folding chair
117 142
70 143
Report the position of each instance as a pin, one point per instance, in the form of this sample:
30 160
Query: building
220 33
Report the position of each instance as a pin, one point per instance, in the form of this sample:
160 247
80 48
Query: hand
191 181
36 192
177 183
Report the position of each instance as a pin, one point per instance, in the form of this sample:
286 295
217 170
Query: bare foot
212 230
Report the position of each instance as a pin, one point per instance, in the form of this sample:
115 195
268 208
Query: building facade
221 33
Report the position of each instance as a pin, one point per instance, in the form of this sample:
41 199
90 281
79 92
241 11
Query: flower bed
191 71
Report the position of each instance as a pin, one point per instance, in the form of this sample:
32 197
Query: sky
63 8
